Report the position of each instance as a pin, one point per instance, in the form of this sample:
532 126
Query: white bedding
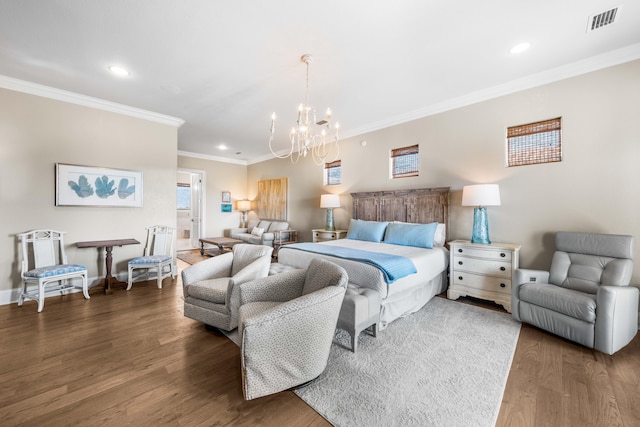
407 294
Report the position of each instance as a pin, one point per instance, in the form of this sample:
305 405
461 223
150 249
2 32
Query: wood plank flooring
132 358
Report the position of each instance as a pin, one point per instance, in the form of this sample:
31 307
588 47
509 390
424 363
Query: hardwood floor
132 358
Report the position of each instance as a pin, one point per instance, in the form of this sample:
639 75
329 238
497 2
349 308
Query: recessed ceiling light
222 147
520 47
118 70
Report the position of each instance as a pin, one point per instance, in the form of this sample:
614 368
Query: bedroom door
196 208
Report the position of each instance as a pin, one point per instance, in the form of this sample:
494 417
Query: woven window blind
404 162
333 173
534 143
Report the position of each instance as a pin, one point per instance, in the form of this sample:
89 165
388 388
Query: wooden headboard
423 205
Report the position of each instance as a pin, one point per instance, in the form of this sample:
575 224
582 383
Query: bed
393 211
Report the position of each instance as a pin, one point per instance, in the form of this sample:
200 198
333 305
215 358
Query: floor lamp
480 196
330 201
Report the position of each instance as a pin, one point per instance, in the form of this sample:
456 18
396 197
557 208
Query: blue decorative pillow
404 234
371 231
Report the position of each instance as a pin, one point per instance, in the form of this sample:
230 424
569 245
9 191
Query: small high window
333 173
404 162
183 196
534 143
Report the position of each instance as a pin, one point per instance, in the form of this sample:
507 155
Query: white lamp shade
481 195
244 205
330 201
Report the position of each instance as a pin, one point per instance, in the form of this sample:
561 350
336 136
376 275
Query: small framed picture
226 207
226 197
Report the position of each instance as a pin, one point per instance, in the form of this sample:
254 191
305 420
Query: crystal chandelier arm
303 137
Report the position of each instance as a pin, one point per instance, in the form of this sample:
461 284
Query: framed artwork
226 207
272 199
95 186
226 197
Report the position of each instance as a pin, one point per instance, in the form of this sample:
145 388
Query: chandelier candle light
309 134
480 195
330 201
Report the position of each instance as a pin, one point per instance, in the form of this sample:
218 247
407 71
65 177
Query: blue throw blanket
393 267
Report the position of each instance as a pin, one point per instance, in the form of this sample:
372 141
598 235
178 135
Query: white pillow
257 231
441 235
252 223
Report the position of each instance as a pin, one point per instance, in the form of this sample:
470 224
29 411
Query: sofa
258 232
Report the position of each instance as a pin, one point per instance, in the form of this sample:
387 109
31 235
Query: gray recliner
287 324
585 297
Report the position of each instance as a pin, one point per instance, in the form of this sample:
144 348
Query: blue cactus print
82 187
104 187
124 190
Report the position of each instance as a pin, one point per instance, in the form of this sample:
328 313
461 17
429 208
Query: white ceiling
225 66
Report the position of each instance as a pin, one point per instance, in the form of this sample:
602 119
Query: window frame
328 168
534 143
178 187
404 153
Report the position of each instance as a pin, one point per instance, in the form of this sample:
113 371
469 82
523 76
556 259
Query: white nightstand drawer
321 235
482 283
482 266
482 271
483 253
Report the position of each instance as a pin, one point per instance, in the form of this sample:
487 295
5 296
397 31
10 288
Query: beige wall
35 134
219 177
594 188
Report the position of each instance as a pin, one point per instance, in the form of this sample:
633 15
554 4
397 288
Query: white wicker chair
158 256
44 264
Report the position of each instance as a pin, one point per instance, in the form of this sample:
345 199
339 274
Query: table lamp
330 201
244 206
480 196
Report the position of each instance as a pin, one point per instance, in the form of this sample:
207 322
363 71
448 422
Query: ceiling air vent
602 19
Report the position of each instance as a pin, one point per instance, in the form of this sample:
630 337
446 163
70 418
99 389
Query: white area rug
445 365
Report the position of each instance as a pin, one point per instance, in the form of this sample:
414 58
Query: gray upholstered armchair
585 296
210 287
287 325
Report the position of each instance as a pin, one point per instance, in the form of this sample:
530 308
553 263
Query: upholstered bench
360 310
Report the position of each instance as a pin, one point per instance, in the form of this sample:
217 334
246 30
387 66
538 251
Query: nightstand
482 271
322 235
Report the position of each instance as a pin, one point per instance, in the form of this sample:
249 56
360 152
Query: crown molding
594 63
87 101
210 157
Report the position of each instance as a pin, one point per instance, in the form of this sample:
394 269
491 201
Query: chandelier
309 134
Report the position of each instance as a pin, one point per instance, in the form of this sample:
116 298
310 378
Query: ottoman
276 268
360 310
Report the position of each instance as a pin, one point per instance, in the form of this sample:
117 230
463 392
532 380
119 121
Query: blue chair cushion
54 270
151 259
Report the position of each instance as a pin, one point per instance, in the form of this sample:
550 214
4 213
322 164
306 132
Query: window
404 162
183 197
333 173
534 143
